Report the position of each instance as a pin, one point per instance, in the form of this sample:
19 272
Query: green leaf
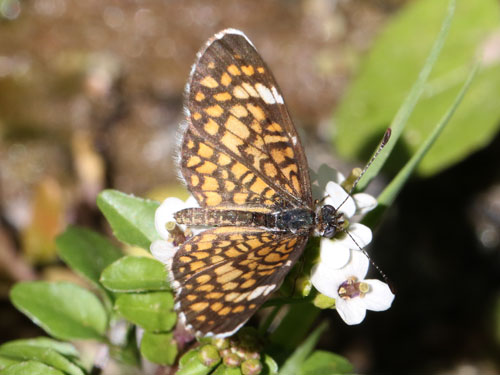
393 65
64 348
64 310
296 360
389 194
151 311
135 274
325 363
86 252
47 356
131 218
270 366
6 362
159 348
31 368
190 364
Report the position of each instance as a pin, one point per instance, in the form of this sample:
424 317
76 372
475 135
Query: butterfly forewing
229 273
240 151
235 107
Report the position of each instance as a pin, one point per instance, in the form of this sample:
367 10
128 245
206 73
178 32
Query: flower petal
326 280
364 203
334 254
357 266
351 311
339 199
165 213
191 202
380 296
361 234
163 251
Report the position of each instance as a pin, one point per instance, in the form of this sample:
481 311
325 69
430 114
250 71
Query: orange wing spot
264 251
270 170
224 243
248 70
229 286
200 254
238 309
208 237
269 193
287 171
190 297
254 243
216 306
199 306
223 160
190 144
212 198
224 268
296 184
196 116
202 279
257 128
249 177
201 318
196 265
240 198
251 91
273 258
231 296
224 174
222 96
216 259
193 160
225 278
206 168
188 247
240 93
214 295
275 127
248 283
275 138
289 152
199 96
258 186
261 70
209 82
184 259
277 155
214 111
268 202
211 127
210 184
226 310
233 70
237 56
239 111
237 127
229 185
233 253
266 273
231 142
257 112
205 288
195 180
205 151
225 79
211 65
248 275
291 243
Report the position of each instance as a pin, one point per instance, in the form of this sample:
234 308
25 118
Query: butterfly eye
330 231
327 212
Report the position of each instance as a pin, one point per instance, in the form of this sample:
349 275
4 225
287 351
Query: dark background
91 97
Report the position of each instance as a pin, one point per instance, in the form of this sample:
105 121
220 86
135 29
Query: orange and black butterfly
242 160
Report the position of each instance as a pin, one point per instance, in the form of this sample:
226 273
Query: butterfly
241 158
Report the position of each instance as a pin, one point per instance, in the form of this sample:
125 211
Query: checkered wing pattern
240 151
229 273
240 148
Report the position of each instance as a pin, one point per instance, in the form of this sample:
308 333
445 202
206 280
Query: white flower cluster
340 273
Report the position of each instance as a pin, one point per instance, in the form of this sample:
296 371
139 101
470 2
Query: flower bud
251 367
323 302
232 360
208 355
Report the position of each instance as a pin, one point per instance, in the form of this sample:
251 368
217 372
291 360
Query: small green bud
208 355
303 286
323 302
232 360
251 367
221 343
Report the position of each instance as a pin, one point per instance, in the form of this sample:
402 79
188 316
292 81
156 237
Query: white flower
164 249
336 251
353 295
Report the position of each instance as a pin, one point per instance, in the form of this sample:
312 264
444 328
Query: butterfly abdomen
291 220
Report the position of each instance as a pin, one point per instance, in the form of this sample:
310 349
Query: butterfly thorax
327 222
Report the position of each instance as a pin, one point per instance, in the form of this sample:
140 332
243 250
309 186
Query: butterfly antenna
384 276
385 139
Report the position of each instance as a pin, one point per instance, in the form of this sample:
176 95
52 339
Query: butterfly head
330 221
